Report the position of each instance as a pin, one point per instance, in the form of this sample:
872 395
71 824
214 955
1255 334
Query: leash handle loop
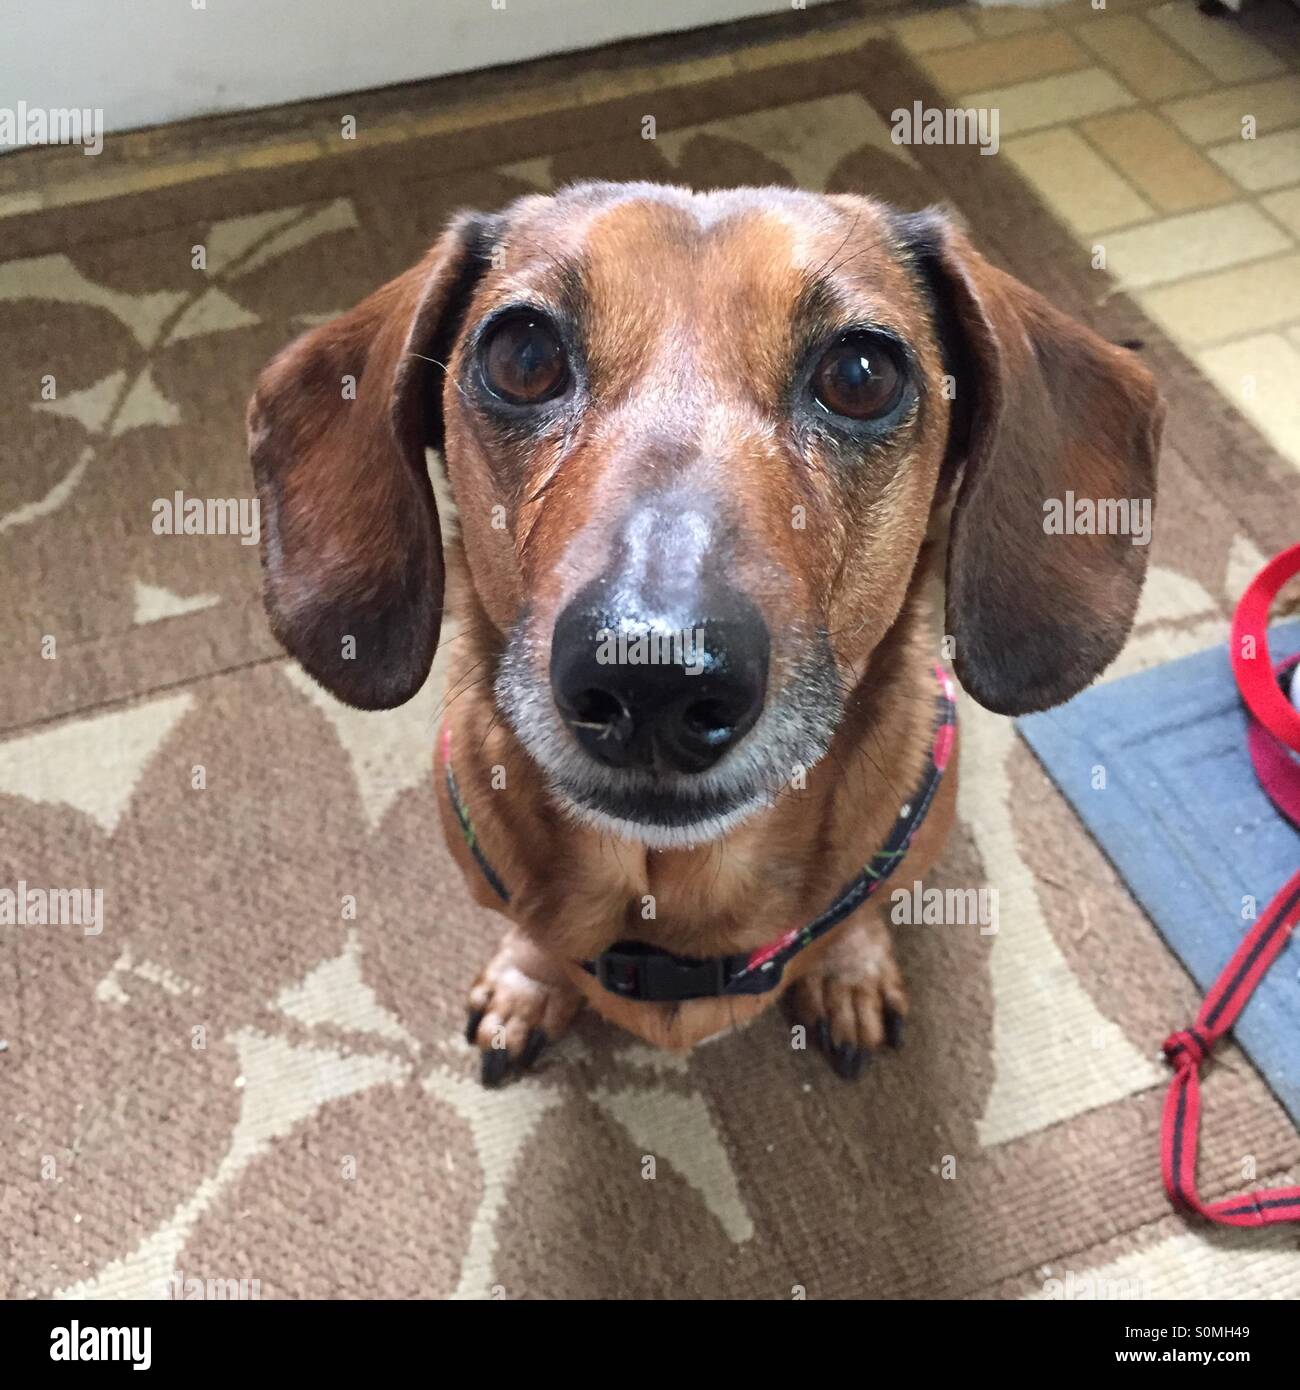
1270 717
1186 1050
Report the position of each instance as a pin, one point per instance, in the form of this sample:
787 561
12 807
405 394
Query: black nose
639 692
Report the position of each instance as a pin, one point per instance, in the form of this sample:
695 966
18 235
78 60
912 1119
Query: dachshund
685 469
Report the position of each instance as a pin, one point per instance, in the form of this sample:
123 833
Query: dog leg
520 1002
852 998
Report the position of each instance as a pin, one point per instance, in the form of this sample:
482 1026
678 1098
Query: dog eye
861 377
523 361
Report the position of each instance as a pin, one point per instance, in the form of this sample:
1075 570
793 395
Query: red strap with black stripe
1274 728
1188 1049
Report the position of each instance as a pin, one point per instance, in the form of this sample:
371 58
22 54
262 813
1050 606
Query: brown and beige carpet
241 1078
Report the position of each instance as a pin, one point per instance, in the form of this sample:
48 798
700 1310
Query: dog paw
518 1004
852 1005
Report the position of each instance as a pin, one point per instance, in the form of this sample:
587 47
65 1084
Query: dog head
696 442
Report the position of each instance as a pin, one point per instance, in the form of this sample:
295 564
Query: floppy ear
351 552
1043 408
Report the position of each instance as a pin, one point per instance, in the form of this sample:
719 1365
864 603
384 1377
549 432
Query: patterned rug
254 1071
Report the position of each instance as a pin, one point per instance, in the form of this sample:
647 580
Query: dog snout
643 689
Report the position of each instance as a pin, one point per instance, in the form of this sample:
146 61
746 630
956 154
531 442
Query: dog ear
337 427
1043 408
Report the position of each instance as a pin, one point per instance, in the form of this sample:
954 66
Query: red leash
1274 727
1187 1050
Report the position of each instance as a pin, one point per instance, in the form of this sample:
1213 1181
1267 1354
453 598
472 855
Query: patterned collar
635 970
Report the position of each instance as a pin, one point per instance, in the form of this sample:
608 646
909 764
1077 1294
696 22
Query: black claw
842 1060
532 1048
496 1062
471 1028
893 1028
822 1033
848 1060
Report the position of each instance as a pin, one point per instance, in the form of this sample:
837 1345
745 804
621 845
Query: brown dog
697 446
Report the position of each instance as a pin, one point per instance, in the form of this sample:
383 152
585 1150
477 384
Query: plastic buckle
634 971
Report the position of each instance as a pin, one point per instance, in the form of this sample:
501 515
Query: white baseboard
147 61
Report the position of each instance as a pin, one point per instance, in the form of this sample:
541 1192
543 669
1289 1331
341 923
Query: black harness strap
636 970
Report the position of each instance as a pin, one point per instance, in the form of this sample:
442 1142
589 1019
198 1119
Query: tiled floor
1168 140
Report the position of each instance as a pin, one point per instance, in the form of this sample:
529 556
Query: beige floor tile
1052 100
1159 163
1075 181
1215 43
927 32
1218 115
1230 304
1293 334
1259 375
1129 47
1285 206
1001 21
1270 161
1194 243
996 62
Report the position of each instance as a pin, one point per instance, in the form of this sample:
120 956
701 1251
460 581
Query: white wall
144 61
